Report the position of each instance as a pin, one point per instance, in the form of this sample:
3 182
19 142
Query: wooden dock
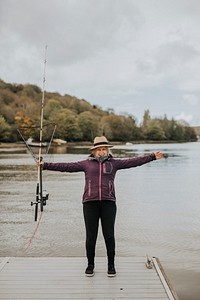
64 278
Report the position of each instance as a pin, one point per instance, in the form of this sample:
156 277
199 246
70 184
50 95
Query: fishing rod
41 195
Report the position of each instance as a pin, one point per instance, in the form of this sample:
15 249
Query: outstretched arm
63 167
137 161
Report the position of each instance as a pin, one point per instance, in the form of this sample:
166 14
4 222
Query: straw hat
100 141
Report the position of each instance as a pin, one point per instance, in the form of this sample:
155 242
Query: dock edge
164 279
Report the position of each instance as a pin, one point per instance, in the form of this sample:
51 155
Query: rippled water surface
158 210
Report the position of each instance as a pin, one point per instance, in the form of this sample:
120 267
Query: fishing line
51 139
27 145
29 242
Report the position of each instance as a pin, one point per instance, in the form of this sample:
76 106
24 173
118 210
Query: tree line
77 119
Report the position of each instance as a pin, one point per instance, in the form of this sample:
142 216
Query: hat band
100 143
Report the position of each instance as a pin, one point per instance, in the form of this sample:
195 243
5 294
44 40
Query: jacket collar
99 159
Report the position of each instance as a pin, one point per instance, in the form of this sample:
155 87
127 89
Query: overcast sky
129 55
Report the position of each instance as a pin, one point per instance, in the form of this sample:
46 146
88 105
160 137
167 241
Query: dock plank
64 278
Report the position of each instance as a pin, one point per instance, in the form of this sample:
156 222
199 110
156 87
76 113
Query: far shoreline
88 144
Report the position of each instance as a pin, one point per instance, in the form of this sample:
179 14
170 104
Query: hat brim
98 146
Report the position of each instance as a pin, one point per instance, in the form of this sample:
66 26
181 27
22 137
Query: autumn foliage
77 119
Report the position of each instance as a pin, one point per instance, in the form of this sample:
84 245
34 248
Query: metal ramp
64 278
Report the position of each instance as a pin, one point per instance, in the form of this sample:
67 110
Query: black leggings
106 211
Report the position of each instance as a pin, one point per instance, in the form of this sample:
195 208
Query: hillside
77 119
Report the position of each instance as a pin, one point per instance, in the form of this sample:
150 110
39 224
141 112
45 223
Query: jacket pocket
89 187
107 167
111 189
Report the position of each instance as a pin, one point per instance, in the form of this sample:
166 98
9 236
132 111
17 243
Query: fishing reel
45 197
41 198
41 195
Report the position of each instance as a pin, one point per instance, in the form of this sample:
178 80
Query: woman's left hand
158 154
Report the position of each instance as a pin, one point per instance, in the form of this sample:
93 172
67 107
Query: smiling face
101 151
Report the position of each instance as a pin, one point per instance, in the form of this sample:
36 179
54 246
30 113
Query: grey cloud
111 52
175 55
75 30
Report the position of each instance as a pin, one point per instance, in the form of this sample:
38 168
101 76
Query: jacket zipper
100 181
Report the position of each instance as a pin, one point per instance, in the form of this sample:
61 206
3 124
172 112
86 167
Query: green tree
7 97
8 113
190 134
131 127
79 105
67 125
30 90
176 131
52 107
117 128
166 125
89 124
145 123
4 130
155 131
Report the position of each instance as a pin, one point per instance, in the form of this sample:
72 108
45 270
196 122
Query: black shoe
111 271
89 272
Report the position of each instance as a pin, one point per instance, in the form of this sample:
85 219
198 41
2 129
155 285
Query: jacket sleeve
65 167
134 162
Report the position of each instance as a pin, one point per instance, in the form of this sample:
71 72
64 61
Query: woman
99 201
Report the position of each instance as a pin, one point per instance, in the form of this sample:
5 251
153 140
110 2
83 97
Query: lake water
158 209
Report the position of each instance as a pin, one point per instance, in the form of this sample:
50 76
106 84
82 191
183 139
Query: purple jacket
99 175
